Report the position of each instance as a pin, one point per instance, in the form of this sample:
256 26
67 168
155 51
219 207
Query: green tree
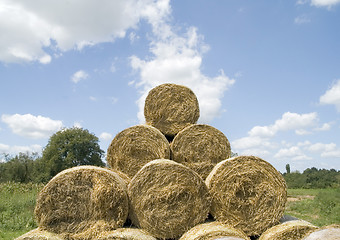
69 148
287 168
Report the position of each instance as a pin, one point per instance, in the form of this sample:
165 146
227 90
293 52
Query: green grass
318 206
17 202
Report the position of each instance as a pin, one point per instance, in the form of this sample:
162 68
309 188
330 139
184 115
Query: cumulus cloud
31 126
178 59
29 28
324 3
288 121
294 153
332 95
78 76
14 150
105 136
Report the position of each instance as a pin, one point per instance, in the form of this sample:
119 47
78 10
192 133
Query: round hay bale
214 230
291 230
126 234
82 199
167 199
331 232
38 234
200 147
133 147
247 193
170 108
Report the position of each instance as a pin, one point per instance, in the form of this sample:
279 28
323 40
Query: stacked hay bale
167 175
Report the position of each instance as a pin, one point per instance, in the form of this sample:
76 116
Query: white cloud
324 127
94 99
177 59
302 20
288 121
77 125
31 126
14 150
105 136
324 3
78 76
29 27
321 147
295 153
332 96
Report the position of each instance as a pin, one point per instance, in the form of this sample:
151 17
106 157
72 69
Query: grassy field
318 206
17 203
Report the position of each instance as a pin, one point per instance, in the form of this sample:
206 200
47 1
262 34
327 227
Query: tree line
77 146
312 178
66 148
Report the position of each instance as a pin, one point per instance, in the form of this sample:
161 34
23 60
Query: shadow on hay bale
214 230
133 147
83 199
126 234
200 147
38 234
331 232
167 199
170 108
290 230
247 193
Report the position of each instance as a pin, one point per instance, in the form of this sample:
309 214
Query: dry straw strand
291 230
330 232
126 234
82 199
135 146
200 147
167 199
38 234
170 108
247 193
214 230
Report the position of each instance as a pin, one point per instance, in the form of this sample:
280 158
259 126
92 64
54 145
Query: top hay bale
291 230
247 193
167 199
133 147
82 199
212 231
170 108
200 147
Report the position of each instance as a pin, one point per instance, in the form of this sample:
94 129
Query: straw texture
291 230
213 230
331 232
200 147
126 234
247 193
82 199
133 147
170 108
37 234
167 199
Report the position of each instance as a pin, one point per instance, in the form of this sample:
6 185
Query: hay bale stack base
200 147
38 234
167 199
247 193
214 230
82 199
291 230
331 232
126 234
133 147
170 108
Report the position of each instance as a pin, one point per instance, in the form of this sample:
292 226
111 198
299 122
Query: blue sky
266 73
